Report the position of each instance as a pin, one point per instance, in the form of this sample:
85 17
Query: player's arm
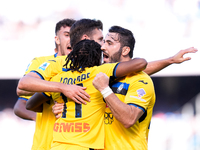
20 105
27 84
23 92
57 109
32 82
158 65
132 66
126 114
21 111
35 102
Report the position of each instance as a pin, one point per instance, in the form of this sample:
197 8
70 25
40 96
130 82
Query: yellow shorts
64 146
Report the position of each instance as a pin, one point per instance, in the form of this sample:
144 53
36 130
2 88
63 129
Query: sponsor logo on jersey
44 66
71 127
143 81
140 92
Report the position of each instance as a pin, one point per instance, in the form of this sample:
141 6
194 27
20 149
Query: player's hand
76 93
101 81
178 58
57 109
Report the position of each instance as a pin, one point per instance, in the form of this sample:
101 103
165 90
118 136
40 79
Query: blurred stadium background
161 29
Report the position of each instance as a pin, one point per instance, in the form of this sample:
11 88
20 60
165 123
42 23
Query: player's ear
125 50
57 40
85 36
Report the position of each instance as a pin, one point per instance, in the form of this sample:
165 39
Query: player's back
82 124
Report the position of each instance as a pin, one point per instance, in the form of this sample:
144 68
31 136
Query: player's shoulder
142 74
44 58
107 65
60 75
139 76
57 59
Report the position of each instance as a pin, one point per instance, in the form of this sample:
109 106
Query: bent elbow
20 85
18 92
143 63
16 111
129 123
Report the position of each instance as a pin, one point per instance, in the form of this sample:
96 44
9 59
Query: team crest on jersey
108 118
44 66
119 89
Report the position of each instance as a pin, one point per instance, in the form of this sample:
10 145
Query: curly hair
86 53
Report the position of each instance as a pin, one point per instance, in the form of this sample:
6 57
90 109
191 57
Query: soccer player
81 29
87 29
130 100
81 126
43 136
62 42
38 85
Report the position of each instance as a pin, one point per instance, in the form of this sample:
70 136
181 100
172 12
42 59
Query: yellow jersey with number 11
81 124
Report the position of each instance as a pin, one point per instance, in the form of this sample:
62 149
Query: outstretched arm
158 65
132 66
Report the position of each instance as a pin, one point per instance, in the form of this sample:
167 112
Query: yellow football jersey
46 127
34 64
37 61
50 68
81 124
137 90
44 121
37 134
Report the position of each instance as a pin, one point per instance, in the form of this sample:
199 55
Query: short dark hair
126 38
86 53
64 23
81 27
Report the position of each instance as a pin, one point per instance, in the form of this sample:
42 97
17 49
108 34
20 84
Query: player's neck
122 59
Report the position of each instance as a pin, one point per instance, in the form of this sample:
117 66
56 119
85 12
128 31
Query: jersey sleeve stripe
114 70
65 70
22 98
38 74
46 95
137 106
